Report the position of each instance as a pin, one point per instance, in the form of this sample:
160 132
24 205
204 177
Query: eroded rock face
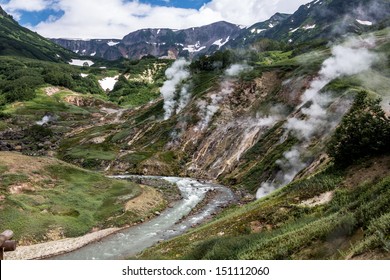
163 43
213 132
235 128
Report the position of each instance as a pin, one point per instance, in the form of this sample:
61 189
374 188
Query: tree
364 131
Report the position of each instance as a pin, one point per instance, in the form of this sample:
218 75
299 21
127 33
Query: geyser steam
208 110
347 59
176 75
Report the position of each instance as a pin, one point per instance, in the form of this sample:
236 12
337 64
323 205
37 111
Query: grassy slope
39 196
19 41
355 224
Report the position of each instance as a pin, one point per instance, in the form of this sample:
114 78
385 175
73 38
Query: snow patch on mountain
295 30
112 43
258 31
194 48
221 43
307 27
364 22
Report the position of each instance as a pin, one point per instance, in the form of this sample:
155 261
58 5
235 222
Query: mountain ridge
325 20
159 42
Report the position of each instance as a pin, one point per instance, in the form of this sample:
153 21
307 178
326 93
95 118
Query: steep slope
166 43
330 215
235 129
251 34
323 20
16 40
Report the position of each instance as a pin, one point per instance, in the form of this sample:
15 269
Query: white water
133 240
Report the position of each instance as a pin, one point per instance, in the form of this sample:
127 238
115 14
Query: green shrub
364 131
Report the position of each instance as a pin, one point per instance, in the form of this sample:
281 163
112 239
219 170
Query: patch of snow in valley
84 75
93 54
364 22
108 83
79 62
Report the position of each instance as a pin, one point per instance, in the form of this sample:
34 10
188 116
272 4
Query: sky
101 19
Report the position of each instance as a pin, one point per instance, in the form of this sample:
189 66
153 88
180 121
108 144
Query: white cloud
29 6
116 18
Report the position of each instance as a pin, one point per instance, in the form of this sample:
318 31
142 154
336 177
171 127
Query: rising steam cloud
208 110
176 75
237 69
347 59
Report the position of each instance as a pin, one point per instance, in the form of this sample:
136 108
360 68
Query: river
170 223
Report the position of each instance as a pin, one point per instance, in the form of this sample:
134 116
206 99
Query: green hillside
16 40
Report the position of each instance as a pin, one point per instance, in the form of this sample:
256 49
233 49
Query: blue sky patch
193 4
33 18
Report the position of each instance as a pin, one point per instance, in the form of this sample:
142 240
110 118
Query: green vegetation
364 131
16 40
279 227
140 83
52 195
218 61
20 78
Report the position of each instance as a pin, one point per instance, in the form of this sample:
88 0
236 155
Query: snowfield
364 22
108 83
79 62
112 43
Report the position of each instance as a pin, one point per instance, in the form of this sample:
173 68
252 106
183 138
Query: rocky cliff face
96 47
165 43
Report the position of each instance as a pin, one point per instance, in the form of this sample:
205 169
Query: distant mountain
158 42
319 19
16 40
251 34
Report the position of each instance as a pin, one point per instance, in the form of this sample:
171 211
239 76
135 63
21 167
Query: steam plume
46 119
237 69
208 110
176 74
347 59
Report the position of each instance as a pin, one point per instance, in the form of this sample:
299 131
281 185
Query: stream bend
169 224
